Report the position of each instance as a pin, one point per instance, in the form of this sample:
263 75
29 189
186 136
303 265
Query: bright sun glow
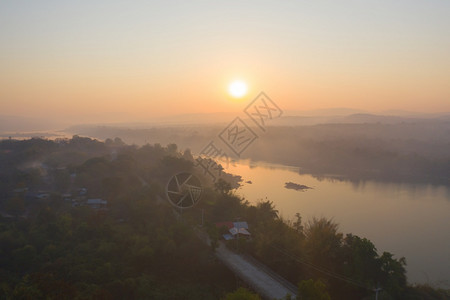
237 89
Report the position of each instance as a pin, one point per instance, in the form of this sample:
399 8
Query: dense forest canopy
402 151
53 245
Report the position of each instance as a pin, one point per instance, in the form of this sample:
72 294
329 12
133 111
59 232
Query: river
407 220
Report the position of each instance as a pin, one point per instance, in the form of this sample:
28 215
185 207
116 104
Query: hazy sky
132 60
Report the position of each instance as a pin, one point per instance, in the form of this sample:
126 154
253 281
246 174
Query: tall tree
312 290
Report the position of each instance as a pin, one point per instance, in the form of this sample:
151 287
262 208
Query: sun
237 89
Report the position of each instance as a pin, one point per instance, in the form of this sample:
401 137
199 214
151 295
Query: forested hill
414 151
133 245
53 246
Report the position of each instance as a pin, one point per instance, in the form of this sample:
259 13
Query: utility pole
376 292
237 238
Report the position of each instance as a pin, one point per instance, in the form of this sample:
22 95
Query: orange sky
103 61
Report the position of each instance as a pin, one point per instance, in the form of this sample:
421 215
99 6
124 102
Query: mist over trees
404 151
57 247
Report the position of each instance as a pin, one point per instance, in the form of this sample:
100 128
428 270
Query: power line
315 267
322 270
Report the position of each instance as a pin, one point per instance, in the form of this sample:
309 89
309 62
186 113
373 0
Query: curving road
264 281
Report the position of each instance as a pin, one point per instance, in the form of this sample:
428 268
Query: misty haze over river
404 219
394 189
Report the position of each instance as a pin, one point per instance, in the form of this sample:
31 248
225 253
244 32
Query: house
240 225
235 229
82 191
21 190
42 195
67 197
97 203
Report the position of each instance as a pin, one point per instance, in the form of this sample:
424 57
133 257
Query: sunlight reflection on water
409 220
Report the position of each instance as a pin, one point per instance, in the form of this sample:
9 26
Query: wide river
407 220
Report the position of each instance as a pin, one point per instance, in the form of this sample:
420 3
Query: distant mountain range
357 118
326 112
13 124
18 124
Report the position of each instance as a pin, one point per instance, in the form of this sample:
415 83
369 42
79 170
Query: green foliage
15 205
297 224
138 250
222 186
226 207
425 291
361 260
266 211
323 242
312 290
214 234
134 250
242 294
393 274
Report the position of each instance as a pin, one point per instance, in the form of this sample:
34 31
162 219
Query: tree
15 205
266 211
222 186
187 155
361 259
393 274
118 142
27 290
297 224
172 149
242 294
214 234
312 290
323 242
